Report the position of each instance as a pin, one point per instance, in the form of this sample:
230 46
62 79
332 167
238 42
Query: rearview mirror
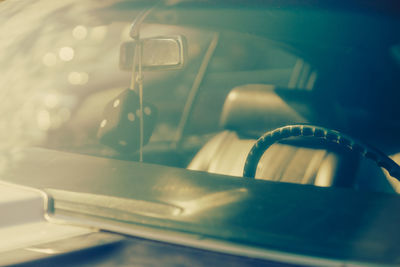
160 53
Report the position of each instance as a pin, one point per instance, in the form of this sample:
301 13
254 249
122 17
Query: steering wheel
331 136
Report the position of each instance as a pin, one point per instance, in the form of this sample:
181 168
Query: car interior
254 85
253 109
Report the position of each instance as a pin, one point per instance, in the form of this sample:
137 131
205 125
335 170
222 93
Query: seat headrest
254 109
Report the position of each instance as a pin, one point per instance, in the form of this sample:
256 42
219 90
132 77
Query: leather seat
251 110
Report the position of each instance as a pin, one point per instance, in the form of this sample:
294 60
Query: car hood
279 221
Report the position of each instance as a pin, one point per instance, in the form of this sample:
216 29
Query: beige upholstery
260 106
226 154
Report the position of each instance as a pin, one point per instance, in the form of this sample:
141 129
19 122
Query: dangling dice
120 126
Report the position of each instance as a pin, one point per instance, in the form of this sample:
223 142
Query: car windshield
194 84
60 71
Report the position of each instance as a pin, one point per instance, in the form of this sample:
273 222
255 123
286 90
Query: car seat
251 110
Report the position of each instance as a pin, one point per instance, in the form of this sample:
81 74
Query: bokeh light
51 100
78 78
80 32
66 53
43 120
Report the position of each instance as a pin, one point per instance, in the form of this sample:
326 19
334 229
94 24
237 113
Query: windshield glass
61 67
